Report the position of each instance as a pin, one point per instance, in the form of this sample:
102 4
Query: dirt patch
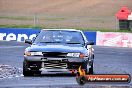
7 71
76 13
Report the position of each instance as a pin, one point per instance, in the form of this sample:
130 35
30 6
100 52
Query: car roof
63 29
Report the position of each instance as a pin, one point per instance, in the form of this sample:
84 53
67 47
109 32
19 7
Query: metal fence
49 21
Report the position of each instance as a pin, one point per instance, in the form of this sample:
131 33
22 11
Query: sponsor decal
82 78
114 39
18 34
14 37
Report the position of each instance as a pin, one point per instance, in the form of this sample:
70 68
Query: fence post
35 20
117 24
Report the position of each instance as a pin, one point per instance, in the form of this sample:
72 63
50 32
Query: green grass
84 29
30 18
16 17
54 19
19 26
104 30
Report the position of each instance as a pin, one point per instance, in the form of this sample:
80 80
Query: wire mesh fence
48 21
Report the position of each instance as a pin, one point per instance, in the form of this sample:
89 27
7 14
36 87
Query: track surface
107 60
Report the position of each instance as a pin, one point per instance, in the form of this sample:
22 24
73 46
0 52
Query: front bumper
54 65
57 71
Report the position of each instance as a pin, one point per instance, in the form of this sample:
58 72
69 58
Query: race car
58 51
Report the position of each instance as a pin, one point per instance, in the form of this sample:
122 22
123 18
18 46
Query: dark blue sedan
56 51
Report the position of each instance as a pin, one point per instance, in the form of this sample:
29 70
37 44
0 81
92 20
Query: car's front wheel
27 72
89 69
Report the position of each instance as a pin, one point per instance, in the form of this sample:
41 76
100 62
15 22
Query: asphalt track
108 60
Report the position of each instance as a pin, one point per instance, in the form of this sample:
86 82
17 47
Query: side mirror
33 39
90 43
29 41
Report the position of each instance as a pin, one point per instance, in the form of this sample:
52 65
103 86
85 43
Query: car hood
57 48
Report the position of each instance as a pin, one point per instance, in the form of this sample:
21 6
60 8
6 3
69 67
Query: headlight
89 46
73 54
33 53
81 55
36 53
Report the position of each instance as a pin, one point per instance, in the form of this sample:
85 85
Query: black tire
36 73
91 70
81 80
86 70
27 72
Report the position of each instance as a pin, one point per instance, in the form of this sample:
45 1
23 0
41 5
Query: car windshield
60 36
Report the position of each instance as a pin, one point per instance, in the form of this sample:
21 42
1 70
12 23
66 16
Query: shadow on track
52 75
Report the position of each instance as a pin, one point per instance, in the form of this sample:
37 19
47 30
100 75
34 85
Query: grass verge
19 26
84 29
16 17
31 18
